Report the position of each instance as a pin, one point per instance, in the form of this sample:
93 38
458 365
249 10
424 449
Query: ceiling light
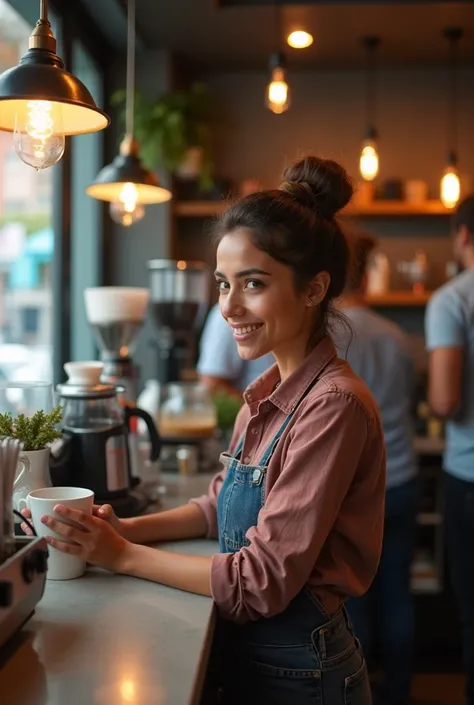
299 39
125 183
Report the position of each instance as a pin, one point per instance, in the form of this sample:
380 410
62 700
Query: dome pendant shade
126 168
40 76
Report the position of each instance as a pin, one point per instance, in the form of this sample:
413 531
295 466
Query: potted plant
227 407
37 433
173 132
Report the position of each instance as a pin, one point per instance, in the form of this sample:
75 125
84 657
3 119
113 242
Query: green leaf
36 432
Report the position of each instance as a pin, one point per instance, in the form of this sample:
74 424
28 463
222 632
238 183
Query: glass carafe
187 411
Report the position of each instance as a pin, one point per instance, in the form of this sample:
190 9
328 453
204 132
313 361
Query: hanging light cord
130 109
454 93
371 44
43 11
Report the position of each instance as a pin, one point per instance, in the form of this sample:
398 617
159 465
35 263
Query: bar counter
105 639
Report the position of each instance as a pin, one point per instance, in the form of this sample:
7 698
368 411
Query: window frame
73 24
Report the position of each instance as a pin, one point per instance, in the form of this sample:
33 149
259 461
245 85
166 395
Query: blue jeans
459 521
389 600
299 657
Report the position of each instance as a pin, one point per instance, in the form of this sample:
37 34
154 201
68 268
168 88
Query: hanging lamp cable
370 44
43 11
453 35
130 108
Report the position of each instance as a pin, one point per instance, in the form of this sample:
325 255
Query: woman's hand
96 540
103 511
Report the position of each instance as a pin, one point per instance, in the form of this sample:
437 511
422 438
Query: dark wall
327 116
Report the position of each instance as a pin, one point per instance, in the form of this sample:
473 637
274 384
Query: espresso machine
179 299
23 560
116 314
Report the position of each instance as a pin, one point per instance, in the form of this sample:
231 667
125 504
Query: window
86 212
26 241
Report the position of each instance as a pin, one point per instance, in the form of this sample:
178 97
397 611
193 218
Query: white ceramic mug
61 566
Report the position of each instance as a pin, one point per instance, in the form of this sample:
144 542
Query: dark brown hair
362 245
296 225
464 215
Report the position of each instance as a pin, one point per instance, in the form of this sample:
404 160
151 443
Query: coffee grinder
179 299
116 314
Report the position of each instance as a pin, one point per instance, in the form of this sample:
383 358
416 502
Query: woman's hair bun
320 184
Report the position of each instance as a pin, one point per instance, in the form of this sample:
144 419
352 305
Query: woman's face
259 301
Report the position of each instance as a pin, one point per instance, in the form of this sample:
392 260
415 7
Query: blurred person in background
220 366
378 351
449 332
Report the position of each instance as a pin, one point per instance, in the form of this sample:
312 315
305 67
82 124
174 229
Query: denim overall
299 657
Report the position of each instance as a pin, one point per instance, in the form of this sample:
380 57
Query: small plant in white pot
37 433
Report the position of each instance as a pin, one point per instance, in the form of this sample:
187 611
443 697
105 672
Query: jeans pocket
277 676
357 687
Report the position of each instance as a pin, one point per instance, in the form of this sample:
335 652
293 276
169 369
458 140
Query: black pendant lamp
41 103
369 158
450 187
125 183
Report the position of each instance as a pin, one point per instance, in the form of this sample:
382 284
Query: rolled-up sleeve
320 459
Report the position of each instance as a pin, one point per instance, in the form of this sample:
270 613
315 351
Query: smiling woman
298 506
300 258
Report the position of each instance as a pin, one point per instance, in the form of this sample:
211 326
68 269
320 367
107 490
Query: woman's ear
318 288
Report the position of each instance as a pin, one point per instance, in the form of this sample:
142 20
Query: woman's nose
231 305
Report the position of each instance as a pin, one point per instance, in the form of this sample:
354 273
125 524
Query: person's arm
445 343
300 511
197 518
186 522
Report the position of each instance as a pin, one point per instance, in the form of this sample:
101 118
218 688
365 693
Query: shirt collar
289 393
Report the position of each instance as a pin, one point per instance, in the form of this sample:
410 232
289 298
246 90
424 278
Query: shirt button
247 459
254 431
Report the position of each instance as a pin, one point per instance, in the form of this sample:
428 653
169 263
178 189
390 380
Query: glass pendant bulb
38 135
369 158
450 185
278 92
127 211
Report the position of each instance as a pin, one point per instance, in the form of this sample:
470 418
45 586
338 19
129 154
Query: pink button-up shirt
322 521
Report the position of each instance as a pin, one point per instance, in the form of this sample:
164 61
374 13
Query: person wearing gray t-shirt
449 330
220 366
378 351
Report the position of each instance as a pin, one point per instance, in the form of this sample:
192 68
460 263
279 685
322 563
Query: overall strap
269 451
240 446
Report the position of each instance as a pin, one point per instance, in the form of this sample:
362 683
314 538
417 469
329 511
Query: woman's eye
222 285
254 284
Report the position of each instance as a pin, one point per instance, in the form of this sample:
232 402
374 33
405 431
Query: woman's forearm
186 522
190 573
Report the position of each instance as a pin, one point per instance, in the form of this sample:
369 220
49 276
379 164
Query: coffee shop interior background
55 241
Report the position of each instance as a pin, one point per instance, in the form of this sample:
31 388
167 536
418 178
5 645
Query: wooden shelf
199 209
209 209
399 298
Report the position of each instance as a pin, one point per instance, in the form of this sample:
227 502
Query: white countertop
105 639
